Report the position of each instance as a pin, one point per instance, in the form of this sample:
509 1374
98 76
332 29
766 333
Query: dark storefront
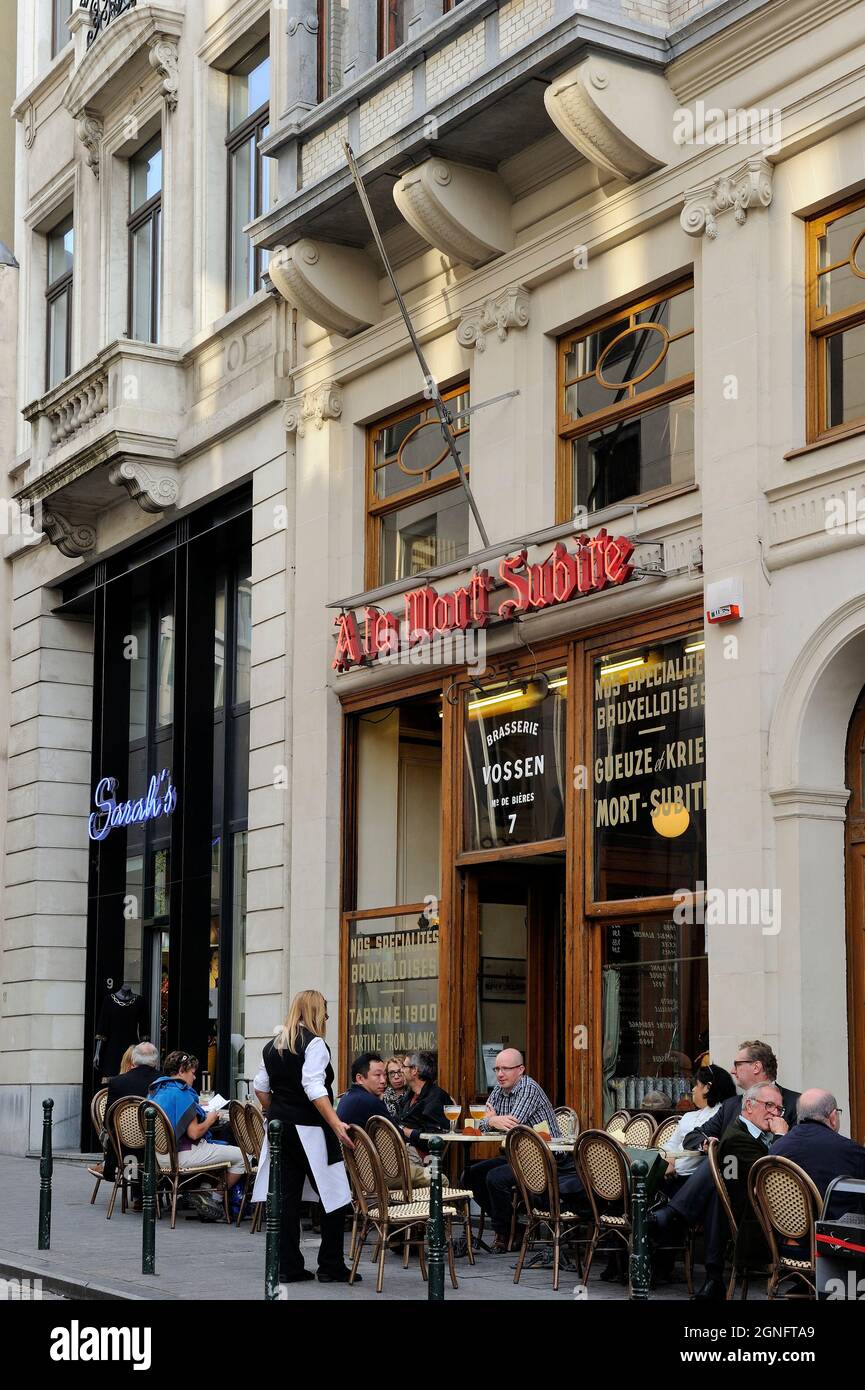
172 630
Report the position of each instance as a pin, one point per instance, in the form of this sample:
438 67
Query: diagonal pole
432 389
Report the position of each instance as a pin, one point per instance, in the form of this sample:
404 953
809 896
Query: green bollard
640 1271
46 1168
436 1248
148 1203
274 1212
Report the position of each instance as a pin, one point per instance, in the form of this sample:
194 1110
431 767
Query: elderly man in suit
816 1144
746 1139
135 1082
696 1203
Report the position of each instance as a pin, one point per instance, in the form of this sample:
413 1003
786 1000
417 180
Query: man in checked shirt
514 1100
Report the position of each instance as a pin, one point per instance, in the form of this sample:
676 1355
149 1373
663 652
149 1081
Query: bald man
816 1144
514 1100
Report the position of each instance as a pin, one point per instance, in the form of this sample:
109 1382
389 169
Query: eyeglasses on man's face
516 1067
742 1062
771 1105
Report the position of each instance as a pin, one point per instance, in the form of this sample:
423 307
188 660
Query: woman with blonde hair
300 1079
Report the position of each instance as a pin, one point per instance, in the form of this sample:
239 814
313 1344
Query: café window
514 764
145 242
648 770
58 301
391 929
249 182
626 403
417 512
836 320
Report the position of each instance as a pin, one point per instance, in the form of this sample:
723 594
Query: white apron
331 1178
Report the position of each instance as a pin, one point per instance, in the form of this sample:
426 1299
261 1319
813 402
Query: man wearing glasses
748 1138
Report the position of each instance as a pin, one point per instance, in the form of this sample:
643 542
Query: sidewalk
95 1258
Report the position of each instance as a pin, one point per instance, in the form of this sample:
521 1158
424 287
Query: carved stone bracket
464 213
618 115
154 491
71 538
90 134
309 22
500 313
317 404
163 60
335 286
748 186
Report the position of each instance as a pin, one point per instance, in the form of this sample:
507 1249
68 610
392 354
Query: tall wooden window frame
821 325
633 403
582 980
377 508
390 14
147 213
60 288
253 128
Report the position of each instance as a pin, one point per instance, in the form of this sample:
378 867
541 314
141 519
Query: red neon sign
598 562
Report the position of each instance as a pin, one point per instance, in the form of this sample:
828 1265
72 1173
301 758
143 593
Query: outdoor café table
457 1141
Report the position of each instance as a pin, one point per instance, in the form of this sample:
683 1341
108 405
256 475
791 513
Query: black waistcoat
289 1101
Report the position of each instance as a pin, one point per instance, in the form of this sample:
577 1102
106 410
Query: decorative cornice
90 131
318 403
153 491
499 313
748 186
163 60
73 539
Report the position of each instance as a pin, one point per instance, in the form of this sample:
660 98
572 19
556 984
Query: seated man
423 1112
173 1093
514 1100
816 1145
747 1139
364 1096
135 1082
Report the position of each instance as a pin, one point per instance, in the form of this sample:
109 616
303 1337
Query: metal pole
640 1271
436 1248
274 1212
148 1203
46 1169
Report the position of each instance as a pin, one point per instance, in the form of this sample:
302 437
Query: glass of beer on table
452 1112
477 1110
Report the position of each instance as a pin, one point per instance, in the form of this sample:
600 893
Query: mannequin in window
122 1022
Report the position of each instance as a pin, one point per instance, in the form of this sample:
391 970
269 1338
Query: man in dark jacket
748 1138
424 1110
816 1145
363 1098
135 1082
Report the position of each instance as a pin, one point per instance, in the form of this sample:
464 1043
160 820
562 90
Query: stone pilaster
361 40
301 58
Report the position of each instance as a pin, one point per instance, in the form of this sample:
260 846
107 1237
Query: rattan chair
393 1152
568 1121
640 1131
604 1171
98 1106
537 1181
124 1132
738 1271
255 1129
240 1134
788 1205
617 1121
665 1131
170 1174
370 1191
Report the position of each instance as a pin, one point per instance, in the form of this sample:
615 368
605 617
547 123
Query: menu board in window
515 762
393 971
656 1012
648 770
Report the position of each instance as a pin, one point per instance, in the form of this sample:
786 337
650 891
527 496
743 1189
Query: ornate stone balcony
112 425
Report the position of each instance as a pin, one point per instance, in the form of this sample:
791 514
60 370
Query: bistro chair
604 1172
124 1132
255 1132
240 1134
739 1270
568 1121
393 1152
98 1106
616 1123
640 1131
538 1184
169 1173
369 1186
665 1131
788 1205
